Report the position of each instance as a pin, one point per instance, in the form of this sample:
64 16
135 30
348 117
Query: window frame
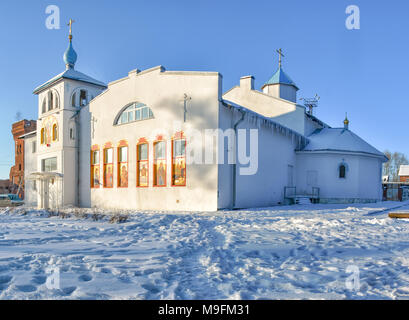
139 161
55 132
42 136
105 164
178 137
159 139
135 107
122 144
344 166
95 165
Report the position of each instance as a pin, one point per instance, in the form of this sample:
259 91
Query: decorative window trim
108 146
158 140
179 136
142 141
95 148
122 144
135 106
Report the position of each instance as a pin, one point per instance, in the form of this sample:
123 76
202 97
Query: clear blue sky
363 72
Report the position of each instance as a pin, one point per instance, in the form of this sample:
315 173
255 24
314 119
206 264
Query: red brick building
17 171
404 173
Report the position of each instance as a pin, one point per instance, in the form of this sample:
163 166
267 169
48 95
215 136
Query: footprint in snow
26 288
39 279
85 278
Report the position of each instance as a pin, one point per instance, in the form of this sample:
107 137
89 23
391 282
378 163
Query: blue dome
70 56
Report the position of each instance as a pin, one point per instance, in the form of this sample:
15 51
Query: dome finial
346 121
70 56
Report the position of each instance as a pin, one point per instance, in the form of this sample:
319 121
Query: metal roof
340 140
70 74
280 77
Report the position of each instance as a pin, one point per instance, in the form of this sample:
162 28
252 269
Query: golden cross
70 24
280 53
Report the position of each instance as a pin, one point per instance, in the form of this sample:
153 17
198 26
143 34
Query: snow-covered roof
404 170
70 74
340 140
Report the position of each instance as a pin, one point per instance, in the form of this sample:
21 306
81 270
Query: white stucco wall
163 92
363 180
276 152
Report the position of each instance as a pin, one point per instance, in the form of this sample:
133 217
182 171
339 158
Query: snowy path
287 252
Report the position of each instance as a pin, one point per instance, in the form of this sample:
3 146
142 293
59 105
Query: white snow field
297 252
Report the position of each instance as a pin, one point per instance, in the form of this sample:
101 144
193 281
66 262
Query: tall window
123 166
142 167
42 136
83 98
50 100
159 164
55 132
44 107
108 168
73 99
95 175
179 162
342 171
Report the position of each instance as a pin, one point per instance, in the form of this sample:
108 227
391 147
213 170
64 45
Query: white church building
172 140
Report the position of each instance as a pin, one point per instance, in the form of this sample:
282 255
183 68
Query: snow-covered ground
277 253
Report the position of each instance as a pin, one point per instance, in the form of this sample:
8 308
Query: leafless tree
391 168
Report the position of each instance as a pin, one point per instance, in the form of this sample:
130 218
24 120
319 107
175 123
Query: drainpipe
235 162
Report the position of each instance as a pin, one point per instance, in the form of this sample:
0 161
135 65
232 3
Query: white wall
163 92
362 181
276 151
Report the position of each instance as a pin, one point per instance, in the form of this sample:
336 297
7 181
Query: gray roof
70 74
339 140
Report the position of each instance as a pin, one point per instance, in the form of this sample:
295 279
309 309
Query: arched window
55 132
44 107
53 100
42 136
134 112
342 171
79 98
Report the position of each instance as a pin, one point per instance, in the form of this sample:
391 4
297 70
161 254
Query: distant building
404 173
4 186
19 129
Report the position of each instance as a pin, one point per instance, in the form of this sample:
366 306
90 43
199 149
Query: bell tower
62 101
